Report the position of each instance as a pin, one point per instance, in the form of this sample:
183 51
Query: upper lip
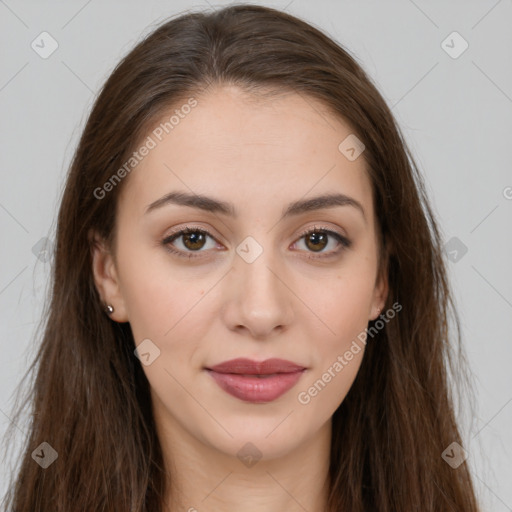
245 366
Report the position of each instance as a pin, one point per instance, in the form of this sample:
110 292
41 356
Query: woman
250 304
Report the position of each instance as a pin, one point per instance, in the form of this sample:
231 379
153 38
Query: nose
259 298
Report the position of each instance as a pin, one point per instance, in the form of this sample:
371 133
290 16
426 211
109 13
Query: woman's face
253 286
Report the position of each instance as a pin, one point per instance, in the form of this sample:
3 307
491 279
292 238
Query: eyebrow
212 205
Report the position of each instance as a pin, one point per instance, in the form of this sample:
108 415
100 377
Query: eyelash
344 242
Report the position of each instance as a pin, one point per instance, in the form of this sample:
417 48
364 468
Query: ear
106 278
381 290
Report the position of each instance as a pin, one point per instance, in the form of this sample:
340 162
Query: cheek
158 299
164 312
344 304
347 319
170 311
337 355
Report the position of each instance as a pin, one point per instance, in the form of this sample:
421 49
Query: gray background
456 114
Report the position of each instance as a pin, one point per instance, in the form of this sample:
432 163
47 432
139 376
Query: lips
243 366
256 381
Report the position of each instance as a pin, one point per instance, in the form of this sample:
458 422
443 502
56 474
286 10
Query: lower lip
256 389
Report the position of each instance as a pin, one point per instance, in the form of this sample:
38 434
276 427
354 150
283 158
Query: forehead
249 150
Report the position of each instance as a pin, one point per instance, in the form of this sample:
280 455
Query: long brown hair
90 398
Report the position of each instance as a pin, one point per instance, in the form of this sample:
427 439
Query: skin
259 155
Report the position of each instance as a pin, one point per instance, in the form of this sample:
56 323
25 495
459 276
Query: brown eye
194 240
317 241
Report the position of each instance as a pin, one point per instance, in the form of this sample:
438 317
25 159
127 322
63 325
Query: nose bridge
261 301
255 266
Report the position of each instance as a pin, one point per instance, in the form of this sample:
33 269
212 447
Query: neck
203 479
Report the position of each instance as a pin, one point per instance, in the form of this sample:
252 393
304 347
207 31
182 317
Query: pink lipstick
254 381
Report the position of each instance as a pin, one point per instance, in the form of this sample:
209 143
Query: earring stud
109 309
